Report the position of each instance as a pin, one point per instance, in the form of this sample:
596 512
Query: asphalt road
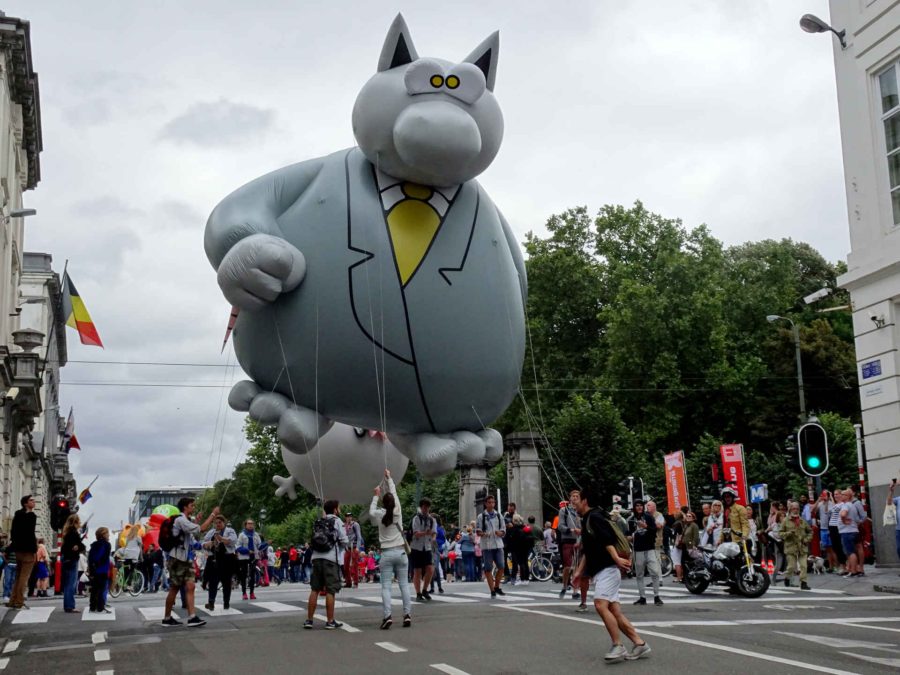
839 627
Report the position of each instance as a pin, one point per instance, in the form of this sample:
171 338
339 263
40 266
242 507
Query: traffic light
812 449
59 511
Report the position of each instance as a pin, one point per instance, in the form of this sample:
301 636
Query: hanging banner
676 482
733 467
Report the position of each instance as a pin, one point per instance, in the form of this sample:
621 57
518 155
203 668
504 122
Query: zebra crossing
370 598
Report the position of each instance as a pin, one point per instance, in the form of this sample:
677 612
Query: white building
20 390
868 88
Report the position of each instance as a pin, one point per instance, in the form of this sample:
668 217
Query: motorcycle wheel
694 585
756 585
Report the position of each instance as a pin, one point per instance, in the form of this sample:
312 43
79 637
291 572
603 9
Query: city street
840 626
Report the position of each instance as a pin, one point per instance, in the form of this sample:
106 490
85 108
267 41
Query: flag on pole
85 495
76 314
231 319
69 439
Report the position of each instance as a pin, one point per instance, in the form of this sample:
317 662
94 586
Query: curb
887 589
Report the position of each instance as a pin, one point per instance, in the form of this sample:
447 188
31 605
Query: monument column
473 487
523 474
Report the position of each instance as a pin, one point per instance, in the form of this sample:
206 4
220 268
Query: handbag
890 515
406 548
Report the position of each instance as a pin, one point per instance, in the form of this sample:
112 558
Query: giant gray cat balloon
379 286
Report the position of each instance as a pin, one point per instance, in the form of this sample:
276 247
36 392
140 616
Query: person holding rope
181 562
248 543
394 559
329 542
221 543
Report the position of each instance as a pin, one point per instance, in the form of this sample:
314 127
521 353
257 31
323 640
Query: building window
889 93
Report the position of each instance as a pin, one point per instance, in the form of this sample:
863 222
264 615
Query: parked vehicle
728 564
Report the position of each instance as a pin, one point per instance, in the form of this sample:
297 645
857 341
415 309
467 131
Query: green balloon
166 510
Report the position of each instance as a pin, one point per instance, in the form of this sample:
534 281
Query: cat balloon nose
436 136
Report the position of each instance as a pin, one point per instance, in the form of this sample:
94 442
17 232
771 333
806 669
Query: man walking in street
490 527
24 543
642 527
568 530
329 542
422 556
603 551
181 561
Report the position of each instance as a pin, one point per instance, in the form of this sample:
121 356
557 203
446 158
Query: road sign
759 493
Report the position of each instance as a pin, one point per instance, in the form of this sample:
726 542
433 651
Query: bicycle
544 565
132 580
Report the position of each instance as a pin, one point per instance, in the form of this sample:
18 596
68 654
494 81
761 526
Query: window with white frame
889 94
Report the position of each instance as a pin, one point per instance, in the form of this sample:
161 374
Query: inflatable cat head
428 120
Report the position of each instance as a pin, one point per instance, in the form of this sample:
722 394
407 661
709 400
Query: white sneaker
517 583
638 652
616 654
526 582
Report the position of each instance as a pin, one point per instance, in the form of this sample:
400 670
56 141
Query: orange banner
676 482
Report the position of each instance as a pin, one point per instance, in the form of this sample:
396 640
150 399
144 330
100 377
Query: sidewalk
882 579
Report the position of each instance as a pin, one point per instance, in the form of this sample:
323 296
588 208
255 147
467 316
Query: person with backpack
248 543
605 556
177 536
220 543
98 570
568 530
394 557
491 528
328 543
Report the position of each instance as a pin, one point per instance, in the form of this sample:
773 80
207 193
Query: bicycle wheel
541 568
115 588
665 564
135 584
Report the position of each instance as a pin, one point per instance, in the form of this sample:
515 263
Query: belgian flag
77 316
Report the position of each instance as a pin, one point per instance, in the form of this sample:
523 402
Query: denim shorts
492 558
848 541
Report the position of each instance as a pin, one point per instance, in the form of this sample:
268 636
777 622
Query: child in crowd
98 570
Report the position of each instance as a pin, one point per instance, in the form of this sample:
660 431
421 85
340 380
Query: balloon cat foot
438 454
299 428
285 487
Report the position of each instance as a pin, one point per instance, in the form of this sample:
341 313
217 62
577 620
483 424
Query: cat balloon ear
485 57
398 49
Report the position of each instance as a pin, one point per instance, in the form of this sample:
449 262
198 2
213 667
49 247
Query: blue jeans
897 533
157 573
9 576
469 563
69 582
394 561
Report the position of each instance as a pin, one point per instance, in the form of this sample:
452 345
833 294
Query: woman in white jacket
394 561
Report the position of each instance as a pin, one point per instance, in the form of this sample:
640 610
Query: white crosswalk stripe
99 616
33 615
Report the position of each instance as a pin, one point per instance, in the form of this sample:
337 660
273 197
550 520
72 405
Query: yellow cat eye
437 81
452 82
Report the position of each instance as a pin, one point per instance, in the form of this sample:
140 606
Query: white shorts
676 555
606 584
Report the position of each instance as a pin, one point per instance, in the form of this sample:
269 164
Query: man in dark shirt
602 562
24 543
642 527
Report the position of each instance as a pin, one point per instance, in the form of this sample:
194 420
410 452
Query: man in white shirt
327 559
181 561
491 528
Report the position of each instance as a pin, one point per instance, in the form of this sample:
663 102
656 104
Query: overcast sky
721 113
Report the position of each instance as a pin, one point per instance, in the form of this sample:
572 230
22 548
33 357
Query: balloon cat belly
410 317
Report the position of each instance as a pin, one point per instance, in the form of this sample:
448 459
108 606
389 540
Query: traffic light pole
57 572
862 468
796 332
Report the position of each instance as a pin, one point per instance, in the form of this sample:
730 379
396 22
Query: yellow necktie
412 223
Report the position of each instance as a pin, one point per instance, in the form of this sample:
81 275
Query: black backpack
324 538
167 538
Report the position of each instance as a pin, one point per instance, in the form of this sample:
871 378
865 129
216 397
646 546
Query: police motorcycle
728 564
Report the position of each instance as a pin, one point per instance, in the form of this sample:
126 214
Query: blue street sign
871 369
759 493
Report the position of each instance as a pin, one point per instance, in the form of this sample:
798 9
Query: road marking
451 598
893 663
791 608
11 646
841 643
698 643
33 615
505 598
859 625
101 655
221 611
98 616
98 638
106 672
346 627
4 663
391 647
699 600
155 613
277 606
444 668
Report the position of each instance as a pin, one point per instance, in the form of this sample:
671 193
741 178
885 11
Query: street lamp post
774 317
262 518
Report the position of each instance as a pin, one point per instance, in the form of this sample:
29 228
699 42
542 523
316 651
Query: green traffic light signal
812 449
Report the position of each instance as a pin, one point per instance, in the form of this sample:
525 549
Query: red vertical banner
676 481
733 467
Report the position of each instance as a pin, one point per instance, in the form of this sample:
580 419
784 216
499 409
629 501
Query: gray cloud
220 123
